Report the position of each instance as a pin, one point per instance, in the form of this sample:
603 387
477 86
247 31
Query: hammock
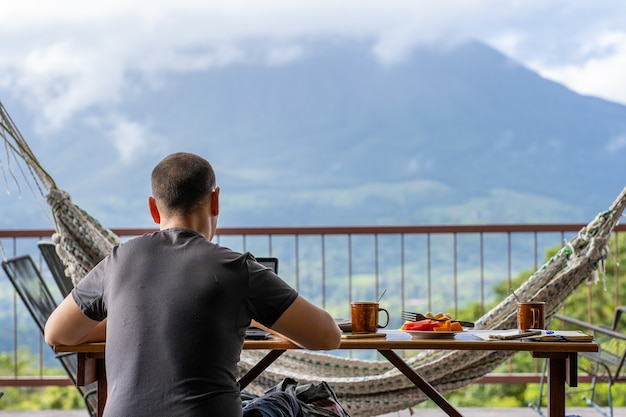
364 387
369 388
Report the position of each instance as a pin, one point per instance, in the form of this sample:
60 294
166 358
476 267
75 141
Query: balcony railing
420 268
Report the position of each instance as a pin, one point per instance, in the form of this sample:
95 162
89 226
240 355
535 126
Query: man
174 307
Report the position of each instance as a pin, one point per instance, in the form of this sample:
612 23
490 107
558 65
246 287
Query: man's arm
67 325
309 326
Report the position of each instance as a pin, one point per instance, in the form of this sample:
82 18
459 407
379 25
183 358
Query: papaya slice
456 327
443 326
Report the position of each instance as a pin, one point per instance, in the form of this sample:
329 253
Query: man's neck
199 224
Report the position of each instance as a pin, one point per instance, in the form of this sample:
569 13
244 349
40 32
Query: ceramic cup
365 317
531 315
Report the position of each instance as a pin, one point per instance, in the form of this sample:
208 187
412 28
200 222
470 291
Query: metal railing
420 268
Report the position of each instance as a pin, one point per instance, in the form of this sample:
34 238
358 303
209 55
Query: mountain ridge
303 140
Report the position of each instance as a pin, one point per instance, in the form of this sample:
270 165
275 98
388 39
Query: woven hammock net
364 387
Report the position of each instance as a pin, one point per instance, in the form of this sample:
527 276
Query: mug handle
386 322
535 320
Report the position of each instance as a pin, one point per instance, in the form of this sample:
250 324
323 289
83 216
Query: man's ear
215 202
154 210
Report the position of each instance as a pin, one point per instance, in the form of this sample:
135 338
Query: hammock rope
81 240
15 144
364 387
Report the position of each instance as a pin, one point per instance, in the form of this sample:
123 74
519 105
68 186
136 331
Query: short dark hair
182 182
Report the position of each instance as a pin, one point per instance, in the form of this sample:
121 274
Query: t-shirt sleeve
269 295
88 294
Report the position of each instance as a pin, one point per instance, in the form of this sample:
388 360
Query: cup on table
531 315
365 317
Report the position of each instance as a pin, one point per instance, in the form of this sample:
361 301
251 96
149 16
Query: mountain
449 135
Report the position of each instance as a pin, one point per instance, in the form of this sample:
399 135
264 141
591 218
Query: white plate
429 334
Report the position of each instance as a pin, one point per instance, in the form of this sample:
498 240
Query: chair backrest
620 326
609 363
618 318
49 253
31 288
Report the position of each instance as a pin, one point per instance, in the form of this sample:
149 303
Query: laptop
270 262
255 333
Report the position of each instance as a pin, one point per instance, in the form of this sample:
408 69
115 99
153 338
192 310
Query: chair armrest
591 327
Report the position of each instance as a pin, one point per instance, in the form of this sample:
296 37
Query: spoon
381 296
514 295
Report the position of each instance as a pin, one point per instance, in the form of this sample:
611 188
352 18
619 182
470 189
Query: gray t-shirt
177 307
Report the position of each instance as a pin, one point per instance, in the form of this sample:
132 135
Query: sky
72 61
69 57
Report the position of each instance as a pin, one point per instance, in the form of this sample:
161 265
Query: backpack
287 399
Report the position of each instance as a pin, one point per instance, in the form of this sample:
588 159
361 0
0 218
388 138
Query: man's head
182 182
183 185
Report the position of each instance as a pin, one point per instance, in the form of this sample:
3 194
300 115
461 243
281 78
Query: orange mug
365 317
531 315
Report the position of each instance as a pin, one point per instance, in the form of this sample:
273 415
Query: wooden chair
607 365
40 303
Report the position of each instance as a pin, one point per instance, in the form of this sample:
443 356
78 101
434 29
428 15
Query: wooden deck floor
504 412
431 412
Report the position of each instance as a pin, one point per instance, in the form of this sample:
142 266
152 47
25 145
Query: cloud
601 74
64 79
617 144
283 55
70 59
130 138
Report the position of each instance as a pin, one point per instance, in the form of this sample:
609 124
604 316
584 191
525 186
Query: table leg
259 367
92 369
420 382
556 387
102 387
562 369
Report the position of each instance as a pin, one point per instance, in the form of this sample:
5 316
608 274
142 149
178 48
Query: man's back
177 308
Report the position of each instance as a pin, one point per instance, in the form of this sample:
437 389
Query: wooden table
561 356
